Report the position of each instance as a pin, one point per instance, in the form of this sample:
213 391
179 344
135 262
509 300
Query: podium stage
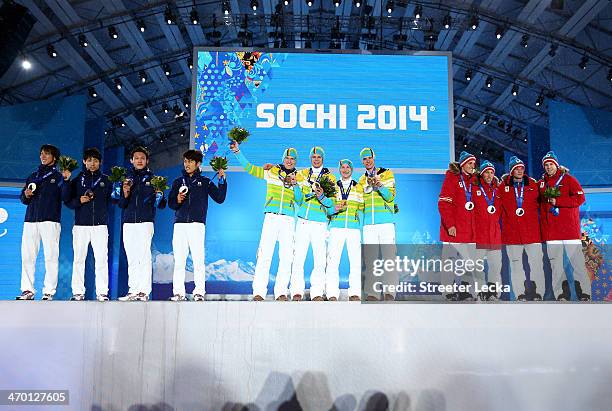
317 356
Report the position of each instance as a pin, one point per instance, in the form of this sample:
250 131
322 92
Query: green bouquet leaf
67 163
552 192
218 163
160 183
328 186
117 174
238 134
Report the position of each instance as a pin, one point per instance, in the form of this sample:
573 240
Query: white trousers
337 238
33 233
137 243
573 248
188 237
494 264
275 228
306 233
383 235
517 271
82 236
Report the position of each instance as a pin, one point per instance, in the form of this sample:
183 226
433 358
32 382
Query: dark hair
92 152
139 149
51 149
194 155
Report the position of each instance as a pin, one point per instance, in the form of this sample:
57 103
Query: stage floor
269 356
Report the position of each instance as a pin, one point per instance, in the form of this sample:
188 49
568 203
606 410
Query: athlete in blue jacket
89 195
42 194
189 197
138 203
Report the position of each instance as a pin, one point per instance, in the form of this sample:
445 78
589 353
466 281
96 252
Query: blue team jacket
94 212
195 206
139 207
46 203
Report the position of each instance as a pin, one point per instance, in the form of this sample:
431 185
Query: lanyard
38 178
519 197
468 193
93 186
559 180
484 193
342 193
318 177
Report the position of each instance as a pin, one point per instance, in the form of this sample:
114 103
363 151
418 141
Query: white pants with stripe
384 236
517 271
185 238
82 236
276 227
306 233
137 243
33 233
337 238
573 248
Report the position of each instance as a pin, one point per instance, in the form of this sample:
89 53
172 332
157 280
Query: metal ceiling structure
509 57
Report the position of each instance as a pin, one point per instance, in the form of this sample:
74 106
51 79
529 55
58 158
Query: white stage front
317 356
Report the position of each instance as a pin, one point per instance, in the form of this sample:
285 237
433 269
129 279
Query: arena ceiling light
167 70
51 51
337 3
226 7
464 112
515 89
390 6
474 22
357 3
143 76
141 25
446 22
468 74
83 40
553 50
525 40
418 11
112 32
489 82
118 84
486 120
254 5
92 92
165 108
539 100
193 17
169 16
583 62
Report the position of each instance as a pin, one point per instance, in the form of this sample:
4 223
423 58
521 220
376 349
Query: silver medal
32 187
491 209
469 206
520 211
183 190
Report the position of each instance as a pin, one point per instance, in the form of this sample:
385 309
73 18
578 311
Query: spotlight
465 145
167 70
186 101
165 107
226 7
489 82
286 2
583 62
499 32
390 6
118 83
309 3
143 76
446 22
337 3
539 100
525 139
254 4
418 11
144 115
169 16
51 51
141 25
112 33
464 112
553 50
486 120
468 74
26 64
525 40
83 40
357 3
190 62
193 16
515 89
182 132
474 22
610 74
92 92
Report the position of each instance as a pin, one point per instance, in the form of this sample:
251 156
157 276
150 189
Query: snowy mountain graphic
220 270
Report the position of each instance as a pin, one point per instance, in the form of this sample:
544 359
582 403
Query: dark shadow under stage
310 356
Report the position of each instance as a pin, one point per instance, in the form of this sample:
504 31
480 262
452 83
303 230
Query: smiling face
289 162
468 168
368 163
92 164
139 160
190 166
518 172
550 168
487 176
316 160
346 171
46 158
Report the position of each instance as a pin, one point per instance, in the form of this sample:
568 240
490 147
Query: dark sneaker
26 295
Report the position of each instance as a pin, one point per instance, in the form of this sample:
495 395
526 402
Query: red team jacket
515 229
565 226
451 205
487 231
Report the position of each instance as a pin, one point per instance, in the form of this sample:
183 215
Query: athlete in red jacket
456 207
487 231
560 225
518 196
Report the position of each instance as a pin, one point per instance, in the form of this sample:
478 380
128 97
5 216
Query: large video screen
398 104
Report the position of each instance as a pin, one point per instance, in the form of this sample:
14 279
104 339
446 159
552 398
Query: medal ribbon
342 193
484 193
519 197
468 193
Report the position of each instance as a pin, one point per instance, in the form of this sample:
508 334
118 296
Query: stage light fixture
286 2
583 62
83 40
141 25
446 22
337 3
118 84
309 3
464 112
539 100
112 33
143 76
51 51
357 3
390 6
193 16
525 40
468 74
418 11
474 22
489 82
186 101
167 69
515 89
610 74
226 7
499 32
165 107
169 16
254 5
486 120
92 92
143 114
553 50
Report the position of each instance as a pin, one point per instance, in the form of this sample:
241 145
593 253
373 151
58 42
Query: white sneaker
102 297
77 297
47 297
198 297
142 297
178 297
128 297
26 295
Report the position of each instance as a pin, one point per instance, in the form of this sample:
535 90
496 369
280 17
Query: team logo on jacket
52 181
460 185
102 184
478 192
199 183
148 183
507 189
541 184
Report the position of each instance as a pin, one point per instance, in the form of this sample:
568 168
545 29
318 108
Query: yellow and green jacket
379 205
352 216
311 208
279 199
